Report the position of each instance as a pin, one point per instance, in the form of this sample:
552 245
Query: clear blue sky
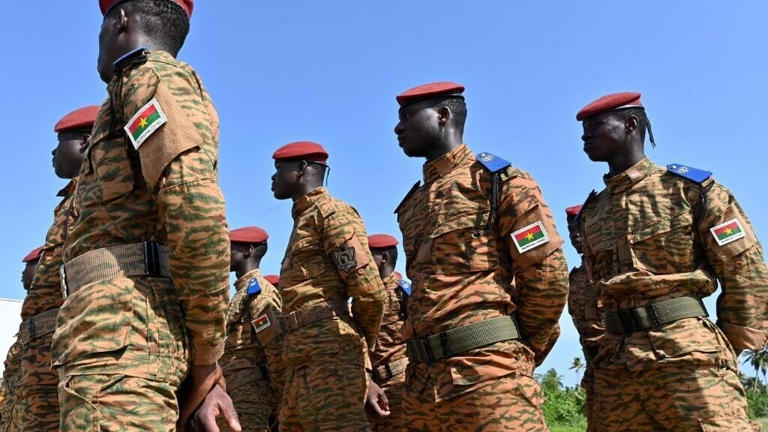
329 71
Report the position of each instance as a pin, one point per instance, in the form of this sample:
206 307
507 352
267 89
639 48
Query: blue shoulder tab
691 173
405 285
253 287
122 60
492 163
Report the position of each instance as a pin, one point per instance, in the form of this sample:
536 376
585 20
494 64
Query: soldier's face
418 128
28 274
237 255
114 41
604 136
68 155
286 180
574 234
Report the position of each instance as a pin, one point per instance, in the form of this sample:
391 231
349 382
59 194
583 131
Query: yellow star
143 122
529 236
728 231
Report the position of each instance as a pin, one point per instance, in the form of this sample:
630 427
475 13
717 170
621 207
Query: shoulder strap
253 287
495 165
690 173
408 195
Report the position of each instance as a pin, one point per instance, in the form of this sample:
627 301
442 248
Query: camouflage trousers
588 384
678 397
37 393
11 377
254 402
510 403
394 422
327 395
106 403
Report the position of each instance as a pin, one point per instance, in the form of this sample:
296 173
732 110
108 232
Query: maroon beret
82 118
305 150
249 234
187 5
377 241
573 210
426 91
33 256
273 279
609 103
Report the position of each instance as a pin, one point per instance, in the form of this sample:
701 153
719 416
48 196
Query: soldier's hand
376 399
216 404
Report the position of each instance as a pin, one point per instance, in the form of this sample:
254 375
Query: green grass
555 428
763 422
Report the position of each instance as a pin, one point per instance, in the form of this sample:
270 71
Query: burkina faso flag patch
530 237
261 323
145 122
728 232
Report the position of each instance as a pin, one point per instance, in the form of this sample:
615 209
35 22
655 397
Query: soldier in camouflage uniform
586 312
388 360
10 409
474 226
327 261
656 240
37 394
251 360
146 264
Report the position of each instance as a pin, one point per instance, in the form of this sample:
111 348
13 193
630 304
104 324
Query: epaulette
690 173
592 195
137 56
405 285
253 287
408 195
492 163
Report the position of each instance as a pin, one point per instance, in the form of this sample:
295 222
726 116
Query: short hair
642 118
392 251
164 21
457 106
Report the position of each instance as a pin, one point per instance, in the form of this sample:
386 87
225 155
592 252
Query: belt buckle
423 345
63 281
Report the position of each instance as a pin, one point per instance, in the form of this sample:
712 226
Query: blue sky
329 71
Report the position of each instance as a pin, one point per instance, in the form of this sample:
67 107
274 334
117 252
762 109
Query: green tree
550 381
759 361
577 365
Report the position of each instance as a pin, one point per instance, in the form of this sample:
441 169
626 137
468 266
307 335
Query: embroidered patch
344 258
145 122
530 237
728 232
261 323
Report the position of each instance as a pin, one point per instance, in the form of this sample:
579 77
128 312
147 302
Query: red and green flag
530 237
260 323
728 232
146 121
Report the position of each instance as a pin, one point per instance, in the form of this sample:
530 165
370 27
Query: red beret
425 91
573 210
377 241
305 150
33 256
187 5
609 103
249 234
273 279
82 118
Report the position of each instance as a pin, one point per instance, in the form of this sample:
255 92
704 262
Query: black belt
626 321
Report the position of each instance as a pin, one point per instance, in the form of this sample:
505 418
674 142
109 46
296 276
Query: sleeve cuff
207 354
742 338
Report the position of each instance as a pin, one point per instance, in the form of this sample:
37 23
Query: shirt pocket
684 338
463 245
603 257
109 175
663 246
309 258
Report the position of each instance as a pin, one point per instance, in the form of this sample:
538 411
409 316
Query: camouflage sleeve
736 256
190 204
345 240
538 263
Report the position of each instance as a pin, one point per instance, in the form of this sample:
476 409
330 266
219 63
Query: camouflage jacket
161 188
585 308
242 351
650 236
390 345
45 291
463 273
327 259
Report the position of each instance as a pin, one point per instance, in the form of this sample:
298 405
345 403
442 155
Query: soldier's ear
443 115
631 123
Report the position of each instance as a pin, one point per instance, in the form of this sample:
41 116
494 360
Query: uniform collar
305 202
242 281
131 56
446 163
68 189
630 177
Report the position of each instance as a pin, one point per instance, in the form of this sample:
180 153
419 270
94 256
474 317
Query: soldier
37 391
146 264
327 262
389 360
586 312
656 240
474 226
251 360
10 410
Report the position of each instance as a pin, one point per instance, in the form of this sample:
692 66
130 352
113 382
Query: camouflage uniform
327 259
128 339
10 382
586 312
252 372
646 239
462 271
389 360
